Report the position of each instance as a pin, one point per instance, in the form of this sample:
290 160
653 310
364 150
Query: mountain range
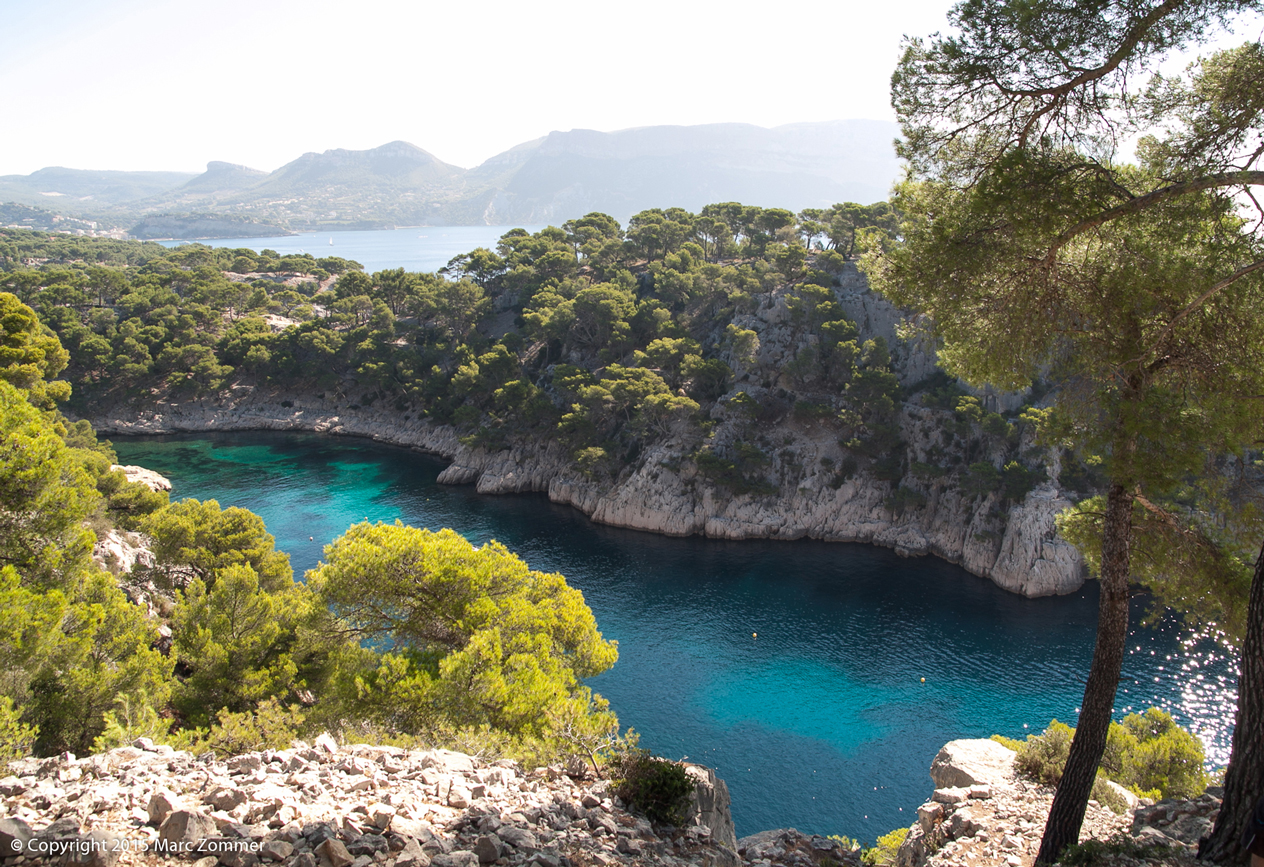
548 180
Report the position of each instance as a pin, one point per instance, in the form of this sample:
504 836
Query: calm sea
426 248
822 722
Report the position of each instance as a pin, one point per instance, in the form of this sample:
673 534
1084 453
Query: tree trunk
1067 813
1244 778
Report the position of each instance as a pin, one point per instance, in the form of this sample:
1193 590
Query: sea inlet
819 679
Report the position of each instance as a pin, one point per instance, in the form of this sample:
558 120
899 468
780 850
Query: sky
161 85
141 84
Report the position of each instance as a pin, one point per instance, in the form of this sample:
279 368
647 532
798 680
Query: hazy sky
142 84
156 84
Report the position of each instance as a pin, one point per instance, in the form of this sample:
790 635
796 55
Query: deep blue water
424 248
822 722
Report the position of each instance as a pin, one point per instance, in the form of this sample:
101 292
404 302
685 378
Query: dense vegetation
608 339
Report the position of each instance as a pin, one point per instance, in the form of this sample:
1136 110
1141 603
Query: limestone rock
333 853
454 859
663 491
14 830
710 807
975 762
150 479
161 805
186 828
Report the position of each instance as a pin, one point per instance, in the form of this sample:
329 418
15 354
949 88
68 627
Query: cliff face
664 493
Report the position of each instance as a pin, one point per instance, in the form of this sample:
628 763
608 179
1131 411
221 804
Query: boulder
488 849
928 814
162 804
519 838
455 859
14 830
225 798
333 854
412 855
448 762
186 828
276 850
961 824
972 762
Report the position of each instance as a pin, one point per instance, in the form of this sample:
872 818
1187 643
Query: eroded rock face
325 804
711 805
663 493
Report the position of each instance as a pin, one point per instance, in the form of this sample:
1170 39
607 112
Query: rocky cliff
662 494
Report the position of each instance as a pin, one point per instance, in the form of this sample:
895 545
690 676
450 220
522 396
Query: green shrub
805 410
1043 756
659 789
16 739
1107 795
883 854
1147 753
1011 743
1150 754
269 726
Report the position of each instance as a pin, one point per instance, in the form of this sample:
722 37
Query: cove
822 722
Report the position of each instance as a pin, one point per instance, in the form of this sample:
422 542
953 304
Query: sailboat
331 242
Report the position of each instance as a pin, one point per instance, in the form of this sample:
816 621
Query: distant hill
552 179
797 166
78 191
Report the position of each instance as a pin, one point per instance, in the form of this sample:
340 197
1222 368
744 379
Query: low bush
657 788
1147 753
883 854
1150 754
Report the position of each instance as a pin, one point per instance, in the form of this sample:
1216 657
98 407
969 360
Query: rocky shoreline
329 805
664 494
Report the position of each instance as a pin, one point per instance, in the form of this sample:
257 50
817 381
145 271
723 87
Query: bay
793 668
417 248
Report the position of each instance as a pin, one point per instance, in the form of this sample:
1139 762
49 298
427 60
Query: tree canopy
489 641
1030 246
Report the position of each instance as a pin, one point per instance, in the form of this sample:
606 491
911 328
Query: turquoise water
425 248
822 721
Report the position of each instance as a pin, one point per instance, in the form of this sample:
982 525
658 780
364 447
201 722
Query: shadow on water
794 668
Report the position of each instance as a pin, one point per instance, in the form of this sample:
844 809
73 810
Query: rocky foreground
982 814
322 805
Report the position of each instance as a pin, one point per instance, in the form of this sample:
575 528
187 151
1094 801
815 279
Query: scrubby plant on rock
658 788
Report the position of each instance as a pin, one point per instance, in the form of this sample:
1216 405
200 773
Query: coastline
664 494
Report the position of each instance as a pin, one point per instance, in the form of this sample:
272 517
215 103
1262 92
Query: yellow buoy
923 680
754 635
